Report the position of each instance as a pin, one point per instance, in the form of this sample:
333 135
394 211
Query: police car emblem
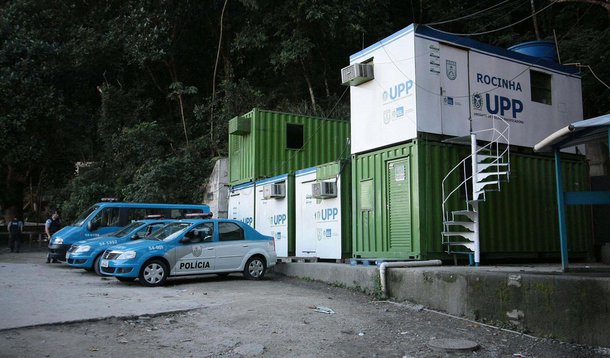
197 250
451 69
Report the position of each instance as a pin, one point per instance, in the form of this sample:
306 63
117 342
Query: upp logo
248 220
279 219
400 90
328 214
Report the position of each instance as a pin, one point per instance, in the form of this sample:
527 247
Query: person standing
15 228
51 226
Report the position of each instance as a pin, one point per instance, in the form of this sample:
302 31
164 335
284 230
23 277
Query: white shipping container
272 211
241 203
428 81
318 221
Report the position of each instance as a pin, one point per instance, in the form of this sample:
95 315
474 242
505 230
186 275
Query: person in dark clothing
15 228
51 226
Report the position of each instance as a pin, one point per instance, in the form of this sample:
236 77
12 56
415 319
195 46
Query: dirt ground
276 317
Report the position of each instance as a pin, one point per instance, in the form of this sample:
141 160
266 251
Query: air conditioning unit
356 74
324 189
276 190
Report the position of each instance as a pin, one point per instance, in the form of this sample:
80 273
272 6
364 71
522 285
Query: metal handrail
492 147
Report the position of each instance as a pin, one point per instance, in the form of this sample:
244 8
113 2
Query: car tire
125 279
255 268
96 265
153 273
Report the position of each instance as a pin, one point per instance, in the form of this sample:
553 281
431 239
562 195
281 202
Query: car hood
99 240
138 245
68 232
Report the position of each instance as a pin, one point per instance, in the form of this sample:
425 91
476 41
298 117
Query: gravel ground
276 317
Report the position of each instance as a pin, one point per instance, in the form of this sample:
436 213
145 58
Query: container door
455 99
399 205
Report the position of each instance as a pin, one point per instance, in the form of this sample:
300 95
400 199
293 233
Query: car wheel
125 279
153 273
96 265
255 268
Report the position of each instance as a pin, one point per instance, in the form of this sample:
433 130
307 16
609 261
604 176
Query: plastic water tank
541 49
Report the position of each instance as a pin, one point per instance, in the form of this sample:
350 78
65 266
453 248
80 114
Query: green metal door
399 204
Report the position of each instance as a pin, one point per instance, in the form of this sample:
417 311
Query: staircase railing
498 150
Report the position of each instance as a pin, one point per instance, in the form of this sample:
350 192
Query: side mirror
135 237
185 239
207 238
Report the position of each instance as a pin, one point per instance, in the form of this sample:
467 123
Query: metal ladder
489 167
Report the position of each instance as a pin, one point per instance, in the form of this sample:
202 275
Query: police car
192 247
87 254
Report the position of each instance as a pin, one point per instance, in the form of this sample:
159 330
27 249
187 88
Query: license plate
104 263
67 256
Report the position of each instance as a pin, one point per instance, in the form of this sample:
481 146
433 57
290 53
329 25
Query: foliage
126 87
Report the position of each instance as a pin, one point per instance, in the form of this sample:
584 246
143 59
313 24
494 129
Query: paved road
230 317
40 293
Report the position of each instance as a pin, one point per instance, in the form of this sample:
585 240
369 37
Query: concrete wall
542 302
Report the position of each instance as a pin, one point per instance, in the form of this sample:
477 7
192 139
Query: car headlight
127 255
58 241
83 248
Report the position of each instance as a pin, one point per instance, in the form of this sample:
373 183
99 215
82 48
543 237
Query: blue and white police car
87 254
192 247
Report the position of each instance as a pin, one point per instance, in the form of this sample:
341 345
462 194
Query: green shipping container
264 144
397 205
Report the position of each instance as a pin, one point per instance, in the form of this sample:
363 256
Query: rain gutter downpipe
385 265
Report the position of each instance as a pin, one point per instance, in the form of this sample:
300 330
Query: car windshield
167 231
84 215
127 229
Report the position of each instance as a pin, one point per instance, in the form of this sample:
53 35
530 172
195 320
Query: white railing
498 148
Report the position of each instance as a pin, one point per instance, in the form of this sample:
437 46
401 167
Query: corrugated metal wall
370 232
263 152
519 221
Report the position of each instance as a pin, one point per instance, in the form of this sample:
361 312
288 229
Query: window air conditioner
276 190
324 189
356 74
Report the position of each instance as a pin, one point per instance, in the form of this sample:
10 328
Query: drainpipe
386 265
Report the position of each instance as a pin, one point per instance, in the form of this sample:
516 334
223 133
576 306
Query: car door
196 252
232 246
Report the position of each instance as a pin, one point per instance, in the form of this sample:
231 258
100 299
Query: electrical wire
499 29
590 69
469 15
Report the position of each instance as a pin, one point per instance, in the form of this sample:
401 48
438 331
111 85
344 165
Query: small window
367 195
141 213
294 136
107 217
541 87
201 233
230 232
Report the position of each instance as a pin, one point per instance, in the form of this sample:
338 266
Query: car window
201 233
107 217
230 232
167 232
127 229
141 213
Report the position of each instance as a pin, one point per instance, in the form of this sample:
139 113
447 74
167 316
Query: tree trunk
309 86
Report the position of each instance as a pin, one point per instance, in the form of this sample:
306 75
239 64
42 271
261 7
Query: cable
467 16
499 29
590 69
